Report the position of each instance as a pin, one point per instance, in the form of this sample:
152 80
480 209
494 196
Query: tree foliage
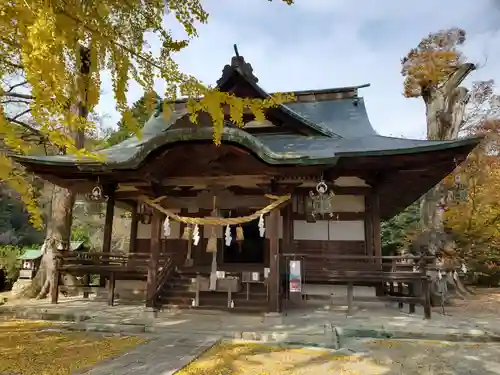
474 217
42 88
397 231
432 62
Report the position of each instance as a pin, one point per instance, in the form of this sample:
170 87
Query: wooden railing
98 262
112 266
164 274
376 270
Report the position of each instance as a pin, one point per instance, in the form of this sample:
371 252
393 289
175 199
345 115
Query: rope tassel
187 233
240 236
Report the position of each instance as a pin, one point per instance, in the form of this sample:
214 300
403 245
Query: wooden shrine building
223 227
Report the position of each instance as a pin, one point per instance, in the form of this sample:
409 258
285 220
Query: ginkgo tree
434 72
52 55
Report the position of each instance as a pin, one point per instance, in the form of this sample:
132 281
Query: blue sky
317 44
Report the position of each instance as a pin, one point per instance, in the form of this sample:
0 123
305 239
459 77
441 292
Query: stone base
149 312
273 318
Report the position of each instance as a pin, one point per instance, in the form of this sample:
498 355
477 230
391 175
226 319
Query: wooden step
236 309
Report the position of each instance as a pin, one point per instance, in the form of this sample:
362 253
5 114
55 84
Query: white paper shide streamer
196 235
166 227
227 236
262 226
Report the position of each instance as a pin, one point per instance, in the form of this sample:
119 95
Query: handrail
358 257
103 259
163 275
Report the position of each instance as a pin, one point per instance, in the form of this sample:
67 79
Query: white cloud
331 43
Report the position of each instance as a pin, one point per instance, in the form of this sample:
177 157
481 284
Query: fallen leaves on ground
260 359
31 348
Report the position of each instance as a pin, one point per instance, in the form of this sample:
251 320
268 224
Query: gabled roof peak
237 63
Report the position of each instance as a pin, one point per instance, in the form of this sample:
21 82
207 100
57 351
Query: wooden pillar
133 229
377 245
108 228
287 247
287 241
155 244
369 225
375 233
111 289
274 254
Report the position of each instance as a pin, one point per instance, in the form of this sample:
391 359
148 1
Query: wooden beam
134 226
337 216
369 227
274 275
108 228
377 246
111 289
288 217
155 245
241 192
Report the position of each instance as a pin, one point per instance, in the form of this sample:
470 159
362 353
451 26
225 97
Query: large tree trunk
445 108
58 234
57 238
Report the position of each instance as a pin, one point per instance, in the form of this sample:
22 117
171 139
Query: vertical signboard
295 276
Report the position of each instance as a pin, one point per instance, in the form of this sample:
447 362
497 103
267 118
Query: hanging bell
240 236
188 231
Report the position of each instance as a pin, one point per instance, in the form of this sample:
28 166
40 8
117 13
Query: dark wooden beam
133 228
274 254
108 226
337 216
155 247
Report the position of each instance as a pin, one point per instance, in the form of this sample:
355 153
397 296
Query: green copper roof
345 118
31 254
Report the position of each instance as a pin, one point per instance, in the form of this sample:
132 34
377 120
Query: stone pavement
178 337
317 326
162 355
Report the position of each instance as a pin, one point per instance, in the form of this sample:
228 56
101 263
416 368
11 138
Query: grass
261 359
30 348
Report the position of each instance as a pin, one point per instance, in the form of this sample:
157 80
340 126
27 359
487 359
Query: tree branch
457 77
17 95
26 126
17 85
14 102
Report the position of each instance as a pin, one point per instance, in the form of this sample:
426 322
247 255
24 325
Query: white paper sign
255 276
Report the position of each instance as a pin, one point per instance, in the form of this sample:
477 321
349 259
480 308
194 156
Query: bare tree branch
21 114
17 85
13 101
17 95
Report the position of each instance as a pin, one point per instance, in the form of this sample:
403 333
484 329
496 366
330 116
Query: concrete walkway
163 355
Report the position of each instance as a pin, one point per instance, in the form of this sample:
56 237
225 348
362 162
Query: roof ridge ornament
237 63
